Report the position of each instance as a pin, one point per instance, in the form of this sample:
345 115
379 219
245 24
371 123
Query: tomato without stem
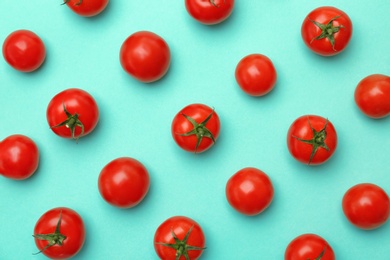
179 238
209 11
309 247
87 8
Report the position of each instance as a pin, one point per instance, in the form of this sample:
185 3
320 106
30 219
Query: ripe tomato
59 233
256 75
209 11
249 191
87 8
312 139
309 247
24 50
72 113
124 182
372 95
326 30
195 128
179 238
145 56
366 205
19 157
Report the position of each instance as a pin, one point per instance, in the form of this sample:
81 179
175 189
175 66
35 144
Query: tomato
256 74
59 233
195 128
145 56
312 139
309 247
19 157
366 205
24 50
72 113
326 30
372 95
209 11
124 182
179 238
249 191
87 8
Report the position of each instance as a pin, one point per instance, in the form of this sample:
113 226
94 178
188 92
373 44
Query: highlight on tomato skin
87 8
309 247
209 12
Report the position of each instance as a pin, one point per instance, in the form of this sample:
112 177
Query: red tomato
19 157
124 182
309 247
179 238
209 11
326 30
87 8
312 139
24 50
72 113
59 233
195 128
256 75
145 56
366 205
249 191
372 95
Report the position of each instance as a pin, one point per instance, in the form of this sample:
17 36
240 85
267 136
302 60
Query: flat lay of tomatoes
19 157
145 56
309 247
366 206
256 74
195 128
372 95
209 12
312 139
59 233
24 50
249 191
72 113
326 30
179 238
87 8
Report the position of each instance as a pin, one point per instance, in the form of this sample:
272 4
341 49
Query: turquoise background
136 119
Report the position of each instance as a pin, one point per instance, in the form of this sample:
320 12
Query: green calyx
328 31
71 122
67 1
213 3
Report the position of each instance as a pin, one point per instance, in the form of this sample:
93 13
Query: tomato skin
206 13
24 50
308 247
249 191
324 46
179 225
145 56
180 125
302 151
72 226
19 157
87 8
124 182
256 74
366 206
372 96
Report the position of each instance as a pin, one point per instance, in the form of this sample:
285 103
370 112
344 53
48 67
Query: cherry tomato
249 191
309 247
87 8
195 128
312 139
24 50
59 233
209 11
256 75
326 30
19 157
145 56
72 113
372 95
179 238
124 182
366 205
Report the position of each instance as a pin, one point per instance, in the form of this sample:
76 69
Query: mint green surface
136 119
